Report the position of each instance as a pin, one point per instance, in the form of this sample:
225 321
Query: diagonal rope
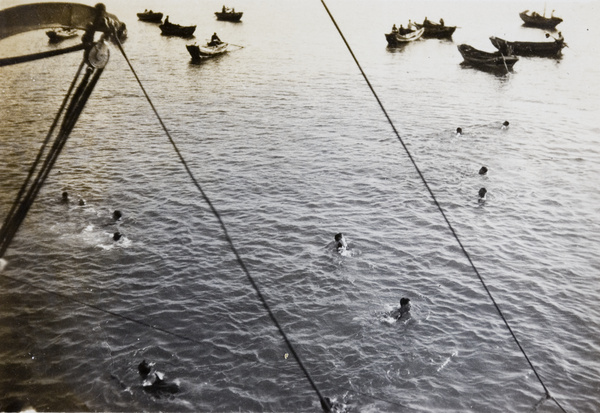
9 217
548 395
324 401
75 108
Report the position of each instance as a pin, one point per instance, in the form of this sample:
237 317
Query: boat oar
236 45
504 61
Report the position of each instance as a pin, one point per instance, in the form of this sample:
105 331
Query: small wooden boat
171 29
403 36
485 60
63 33
206 51
229 15
150 16
435 30
543 49
537 20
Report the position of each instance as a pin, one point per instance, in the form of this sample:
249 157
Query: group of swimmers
116 214
341 247
483 170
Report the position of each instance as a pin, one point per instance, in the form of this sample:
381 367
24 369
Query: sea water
289 145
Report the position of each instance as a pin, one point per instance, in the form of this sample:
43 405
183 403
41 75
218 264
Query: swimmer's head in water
65 196
341 241
117 236
483 170
505 124
117 215
404 305
482 192
459 131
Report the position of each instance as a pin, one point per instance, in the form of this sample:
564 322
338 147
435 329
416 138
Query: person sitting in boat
442 22
394 29
214 40
403 309
167 20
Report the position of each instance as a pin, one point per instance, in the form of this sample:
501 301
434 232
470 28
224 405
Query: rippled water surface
285 138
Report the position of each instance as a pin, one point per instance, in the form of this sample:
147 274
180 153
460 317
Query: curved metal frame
37 16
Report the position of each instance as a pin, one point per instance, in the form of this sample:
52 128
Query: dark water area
287 141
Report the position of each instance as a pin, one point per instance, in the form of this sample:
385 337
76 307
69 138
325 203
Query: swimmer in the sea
458 132
482 194
330 406
340 242
505 124
154 382
117 236
483 170
65 198
403 309
117 215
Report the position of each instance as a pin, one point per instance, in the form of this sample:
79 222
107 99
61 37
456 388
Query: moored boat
150 16
543 49
229 15
537 20
435 30
401 36
171 29
63 33
495 61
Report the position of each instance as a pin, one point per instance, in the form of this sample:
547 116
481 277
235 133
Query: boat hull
396 39
541 49
205 52
56 36
150 17
177 30
539 21
436 31
485 60
229 16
